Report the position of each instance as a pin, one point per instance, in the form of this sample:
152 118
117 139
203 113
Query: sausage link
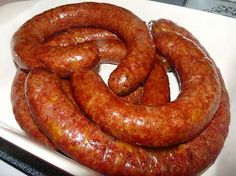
164 63
108 44
21 110
164 25
66 60
85 142
155 91
156 88
75 36
111 51
110 48
169 124
140 48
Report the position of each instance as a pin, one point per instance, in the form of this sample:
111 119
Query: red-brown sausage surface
21 110
164 25
68 59
23 115
79 35
140 49
110 48
75 135
165 125
156 88
80 139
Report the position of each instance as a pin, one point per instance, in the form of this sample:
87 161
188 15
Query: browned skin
156 89
67 89
164 25
165 125
21 110
66 60
113 50
83 141
110 48
134 97
86 143
162 61
140 48
79 35
108 44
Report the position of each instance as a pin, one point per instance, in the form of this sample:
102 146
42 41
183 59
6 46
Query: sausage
23 115
66 60
165 125
75 36
155 91
132 30
110 48
108 44
164 25
156 88
111 51
21 110
104 51
162 61
85 142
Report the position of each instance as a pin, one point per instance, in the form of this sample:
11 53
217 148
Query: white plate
216 33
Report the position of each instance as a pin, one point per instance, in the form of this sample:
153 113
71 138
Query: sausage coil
131 128
27 41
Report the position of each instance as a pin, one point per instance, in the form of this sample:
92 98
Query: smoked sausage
28 40
79 138
165 125
21 110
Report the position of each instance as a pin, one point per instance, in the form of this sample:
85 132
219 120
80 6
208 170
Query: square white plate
215 32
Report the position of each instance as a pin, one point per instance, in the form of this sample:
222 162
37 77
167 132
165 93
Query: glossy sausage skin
110 48
21 110
79 35
85 142
164 25
65 60
156 88
165 125
132 30
111 51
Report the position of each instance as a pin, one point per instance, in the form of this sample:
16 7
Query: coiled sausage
28 40
169 124
83 141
